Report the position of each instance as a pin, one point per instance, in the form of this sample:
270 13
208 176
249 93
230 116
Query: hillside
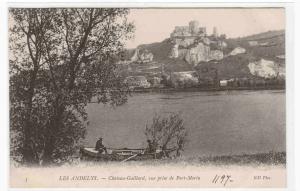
256 56
269 44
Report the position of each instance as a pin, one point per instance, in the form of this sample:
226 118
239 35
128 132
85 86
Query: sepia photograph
185 97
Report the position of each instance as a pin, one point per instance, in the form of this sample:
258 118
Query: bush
167 133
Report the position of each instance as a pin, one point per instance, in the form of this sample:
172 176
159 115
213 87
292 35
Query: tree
167 133
78 50
26 63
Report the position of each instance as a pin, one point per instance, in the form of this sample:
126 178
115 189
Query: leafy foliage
61 59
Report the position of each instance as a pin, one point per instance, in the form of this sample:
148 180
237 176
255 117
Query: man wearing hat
151 147
100 147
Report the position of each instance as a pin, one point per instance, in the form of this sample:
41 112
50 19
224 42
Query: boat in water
123 155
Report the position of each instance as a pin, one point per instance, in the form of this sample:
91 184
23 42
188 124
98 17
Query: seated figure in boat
100 147
151 147
179 150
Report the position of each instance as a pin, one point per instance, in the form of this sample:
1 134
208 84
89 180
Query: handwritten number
221 179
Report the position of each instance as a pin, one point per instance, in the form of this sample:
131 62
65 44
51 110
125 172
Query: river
218 123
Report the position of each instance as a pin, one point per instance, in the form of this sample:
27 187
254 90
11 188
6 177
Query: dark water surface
219 123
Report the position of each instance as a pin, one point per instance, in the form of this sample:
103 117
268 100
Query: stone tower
194 27
215 32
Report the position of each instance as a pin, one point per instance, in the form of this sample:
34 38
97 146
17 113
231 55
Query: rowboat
123 155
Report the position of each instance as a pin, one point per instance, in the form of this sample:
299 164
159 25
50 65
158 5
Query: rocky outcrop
202 52
174 51
281 56
237 50
266 69
206 41
213 57
197 54
146 56
253 43
142 56
257 43
135 56
192 44
222 44
216 55
184 42
180 79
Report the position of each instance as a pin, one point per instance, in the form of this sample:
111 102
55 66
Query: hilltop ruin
192 30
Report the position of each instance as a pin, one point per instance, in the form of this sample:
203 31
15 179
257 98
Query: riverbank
271 158
199 89
257 159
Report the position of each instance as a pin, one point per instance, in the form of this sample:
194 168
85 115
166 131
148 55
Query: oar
129 158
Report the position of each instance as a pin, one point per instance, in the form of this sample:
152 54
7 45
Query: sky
155 25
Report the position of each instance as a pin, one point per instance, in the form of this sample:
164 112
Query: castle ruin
192 30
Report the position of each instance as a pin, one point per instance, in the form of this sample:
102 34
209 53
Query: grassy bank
258 159
271 158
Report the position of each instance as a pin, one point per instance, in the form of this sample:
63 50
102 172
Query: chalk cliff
191 44
142 56
237 50
266 69
202 52
190 48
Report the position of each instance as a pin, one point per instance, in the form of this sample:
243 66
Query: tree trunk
48 150
28 150
52 130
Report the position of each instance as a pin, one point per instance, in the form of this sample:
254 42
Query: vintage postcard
147 97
